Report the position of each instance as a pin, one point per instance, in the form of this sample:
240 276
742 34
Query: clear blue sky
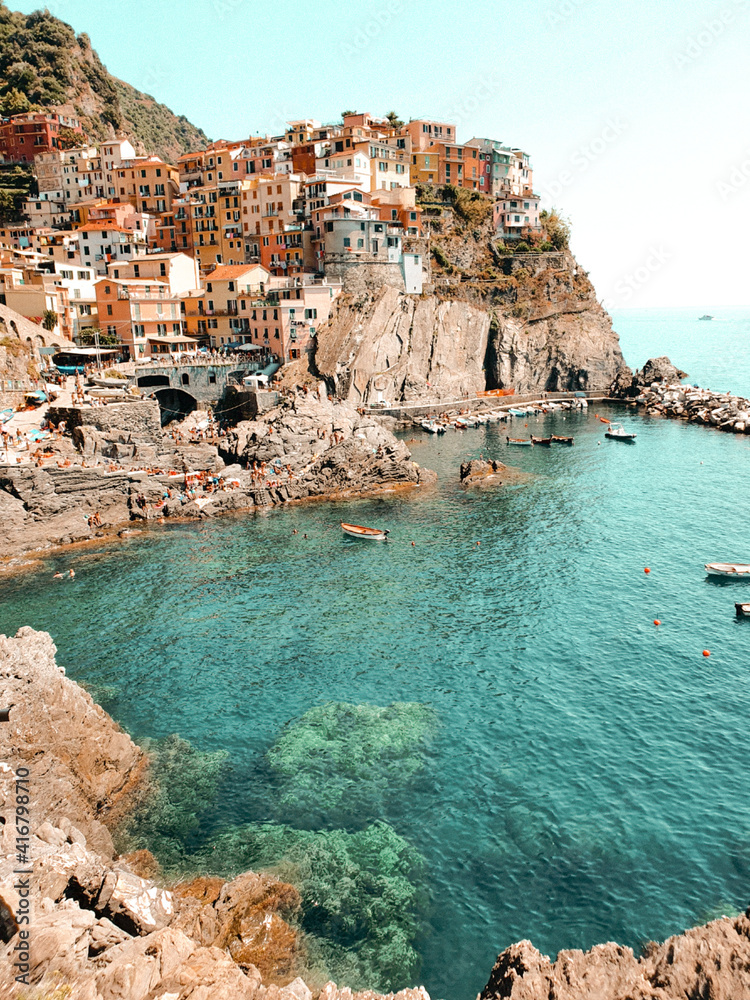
635 113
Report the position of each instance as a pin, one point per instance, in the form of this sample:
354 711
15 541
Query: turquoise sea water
554 766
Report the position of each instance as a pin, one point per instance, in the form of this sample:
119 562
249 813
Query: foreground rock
706 962
100 930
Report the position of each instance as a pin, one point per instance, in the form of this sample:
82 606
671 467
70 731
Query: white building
104 242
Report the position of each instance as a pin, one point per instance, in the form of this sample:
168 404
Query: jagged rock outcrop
312 446
532 332
712 961
659 370
477 471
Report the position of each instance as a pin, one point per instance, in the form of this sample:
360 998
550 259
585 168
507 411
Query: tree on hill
557 228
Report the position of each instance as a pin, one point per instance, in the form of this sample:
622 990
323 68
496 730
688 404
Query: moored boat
732 571
5 415
517 413
743 610
618 433
433 427
558 439
519 442
358 531
545 441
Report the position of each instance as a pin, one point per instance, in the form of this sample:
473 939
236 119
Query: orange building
145 316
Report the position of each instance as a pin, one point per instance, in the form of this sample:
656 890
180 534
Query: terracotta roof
226 272
102 224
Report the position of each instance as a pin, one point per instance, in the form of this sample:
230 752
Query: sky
635 112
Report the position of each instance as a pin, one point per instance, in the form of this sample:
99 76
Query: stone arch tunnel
174 403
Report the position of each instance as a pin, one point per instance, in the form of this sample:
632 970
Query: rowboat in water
557 439
357 531
733 571
545 441
618 433
519 441
743 610
517 413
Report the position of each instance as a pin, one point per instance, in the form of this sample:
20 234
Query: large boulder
659 370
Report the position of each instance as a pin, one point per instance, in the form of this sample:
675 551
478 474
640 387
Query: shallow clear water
580 775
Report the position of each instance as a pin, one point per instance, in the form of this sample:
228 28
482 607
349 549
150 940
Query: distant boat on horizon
705 317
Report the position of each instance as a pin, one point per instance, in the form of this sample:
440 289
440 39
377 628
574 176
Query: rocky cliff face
529 331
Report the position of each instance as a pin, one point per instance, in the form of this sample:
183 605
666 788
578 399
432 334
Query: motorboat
6 415
545 441
358 531
732 571
433 427
618 433
705 317
517 413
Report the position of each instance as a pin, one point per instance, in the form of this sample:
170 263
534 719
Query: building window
185 378
109 308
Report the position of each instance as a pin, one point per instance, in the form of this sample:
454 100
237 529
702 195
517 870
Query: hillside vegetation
45 66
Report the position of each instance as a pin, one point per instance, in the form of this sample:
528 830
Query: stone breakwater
102 928
698 406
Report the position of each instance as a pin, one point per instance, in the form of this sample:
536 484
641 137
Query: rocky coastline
104 926
659 389
114 469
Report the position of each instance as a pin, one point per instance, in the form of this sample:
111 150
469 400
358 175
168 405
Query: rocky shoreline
308 447
102 928
659 389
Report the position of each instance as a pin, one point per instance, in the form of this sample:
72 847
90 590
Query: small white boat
357 531
618 432
743 610
99 392
433 427
519 442
109 383
734 571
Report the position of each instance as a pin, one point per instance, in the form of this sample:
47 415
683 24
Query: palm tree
49 319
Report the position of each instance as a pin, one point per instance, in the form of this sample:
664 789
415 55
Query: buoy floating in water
656 621
706 652
646 570
412 543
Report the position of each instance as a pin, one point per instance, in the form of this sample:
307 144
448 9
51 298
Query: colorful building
24 136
